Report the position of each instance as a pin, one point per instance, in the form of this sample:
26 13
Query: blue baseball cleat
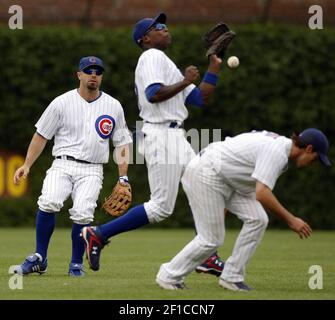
234 286
76 270
94 243
34 263
213 265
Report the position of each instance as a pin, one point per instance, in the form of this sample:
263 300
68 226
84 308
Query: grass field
278 270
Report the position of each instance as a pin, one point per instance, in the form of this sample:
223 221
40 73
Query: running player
162 93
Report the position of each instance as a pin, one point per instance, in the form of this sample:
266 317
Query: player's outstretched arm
35 148
268 200
208 83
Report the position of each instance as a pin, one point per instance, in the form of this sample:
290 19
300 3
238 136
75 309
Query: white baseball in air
233 62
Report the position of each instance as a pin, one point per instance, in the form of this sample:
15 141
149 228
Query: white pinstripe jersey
82 129
248 157
154 66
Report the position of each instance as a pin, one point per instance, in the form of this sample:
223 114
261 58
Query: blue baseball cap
89 62
319 142
142 26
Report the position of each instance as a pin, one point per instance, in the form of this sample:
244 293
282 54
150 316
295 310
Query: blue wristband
210 78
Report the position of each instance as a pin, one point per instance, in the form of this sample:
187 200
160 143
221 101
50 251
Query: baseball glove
119 201
217 40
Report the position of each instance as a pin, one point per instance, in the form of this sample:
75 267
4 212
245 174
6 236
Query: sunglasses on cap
90 70
157 26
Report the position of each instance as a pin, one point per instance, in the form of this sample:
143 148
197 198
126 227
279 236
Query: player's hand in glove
119 201
217 40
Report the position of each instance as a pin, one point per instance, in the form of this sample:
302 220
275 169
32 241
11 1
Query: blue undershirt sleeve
195 98
151 90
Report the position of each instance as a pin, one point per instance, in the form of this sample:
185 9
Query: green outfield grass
278 270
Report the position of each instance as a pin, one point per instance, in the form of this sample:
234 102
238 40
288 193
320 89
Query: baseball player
239 174
162 92
82 121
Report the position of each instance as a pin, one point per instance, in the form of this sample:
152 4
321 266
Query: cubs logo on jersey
104 126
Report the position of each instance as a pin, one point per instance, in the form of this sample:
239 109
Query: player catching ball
163 91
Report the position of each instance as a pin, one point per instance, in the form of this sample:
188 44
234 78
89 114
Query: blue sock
78 247
133 219
45 225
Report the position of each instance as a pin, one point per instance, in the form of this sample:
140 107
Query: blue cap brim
324 160
161 18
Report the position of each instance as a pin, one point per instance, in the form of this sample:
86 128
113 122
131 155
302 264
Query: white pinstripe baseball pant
167 152
208 195
80 180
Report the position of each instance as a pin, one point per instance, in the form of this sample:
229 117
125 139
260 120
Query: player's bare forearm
35 149
167 92
123 170
268 200
122 158
265 196
214 64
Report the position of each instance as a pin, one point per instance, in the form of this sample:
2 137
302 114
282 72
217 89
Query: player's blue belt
72 159
175 124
